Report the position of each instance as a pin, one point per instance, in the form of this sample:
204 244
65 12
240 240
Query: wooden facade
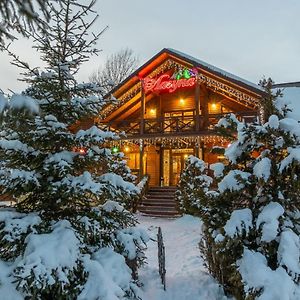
168 108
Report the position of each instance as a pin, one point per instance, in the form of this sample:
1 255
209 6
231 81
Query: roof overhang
209 74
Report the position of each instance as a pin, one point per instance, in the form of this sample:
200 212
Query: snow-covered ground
186 276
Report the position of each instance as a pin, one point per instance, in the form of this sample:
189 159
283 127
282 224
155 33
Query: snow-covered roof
291 98
215 69
192 60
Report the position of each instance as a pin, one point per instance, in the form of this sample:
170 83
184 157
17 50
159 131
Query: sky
249 38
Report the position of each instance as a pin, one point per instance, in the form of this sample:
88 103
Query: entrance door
177 165
173 164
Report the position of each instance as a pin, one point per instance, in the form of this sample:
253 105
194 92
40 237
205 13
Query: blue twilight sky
249 38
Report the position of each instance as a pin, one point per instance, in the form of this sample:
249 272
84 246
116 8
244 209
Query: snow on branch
3 103
294 155
228 121
117 181
103 263
84 182
218 169
268 218
16 224
62 160
240 220
15 145
50 255
262 169
95 134
289 252
129 238
258 276
19 102
233 181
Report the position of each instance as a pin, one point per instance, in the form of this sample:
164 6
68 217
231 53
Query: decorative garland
181 71
226 90
132 92
175 142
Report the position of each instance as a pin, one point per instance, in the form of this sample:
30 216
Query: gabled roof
217 71
171 53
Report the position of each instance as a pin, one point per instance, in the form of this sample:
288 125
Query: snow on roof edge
216 69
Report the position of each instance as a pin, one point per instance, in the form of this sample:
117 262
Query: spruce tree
251 224
251 219
69 187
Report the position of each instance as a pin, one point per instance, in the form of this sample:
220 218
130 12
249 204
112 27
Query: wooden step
164 204
164 189
156 207
163 200
159 202
161 192
160 198
158 210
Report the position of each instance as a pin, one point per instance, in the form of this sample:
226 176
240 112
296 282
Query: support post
141 170
161 166
204 106
203 151
143 108
197 106
197 147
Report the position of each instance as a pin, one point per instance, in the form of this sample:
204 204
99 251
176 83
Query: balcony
184 125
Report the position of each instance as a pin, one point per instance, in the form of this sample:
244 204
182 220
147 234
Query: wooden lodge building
167 109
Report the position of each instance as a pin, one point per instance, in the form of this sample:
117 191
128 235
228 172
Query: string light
227 90
115 149
82 151
136 88
173 142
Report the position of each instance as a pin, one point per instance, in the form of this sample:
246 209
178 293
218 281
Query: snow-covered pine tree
69 236
268 107
252 225
193 186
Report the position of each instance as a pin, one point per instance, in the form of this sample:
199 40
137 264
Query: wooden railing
170 125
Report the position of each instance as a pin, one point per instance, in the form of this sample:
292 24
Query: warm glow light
82 151
181 101
126 149
186 156
213 106
153 111
228 145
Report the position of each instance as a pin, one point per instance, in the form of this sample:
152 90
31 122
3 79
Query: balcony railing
171 125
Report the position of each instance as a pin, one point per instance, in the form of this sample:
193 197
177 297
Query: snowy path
186 276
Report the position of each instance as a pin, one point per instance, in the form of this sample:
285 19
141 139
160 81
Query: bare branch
117 68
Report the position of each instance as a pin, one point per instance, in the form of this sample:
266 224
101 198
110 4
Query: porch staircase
159 202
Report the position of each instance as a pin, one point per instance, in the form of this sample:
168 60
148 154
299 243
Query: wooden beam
161 165
121 109
141 169
197 147
143 108
204 105
197 105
